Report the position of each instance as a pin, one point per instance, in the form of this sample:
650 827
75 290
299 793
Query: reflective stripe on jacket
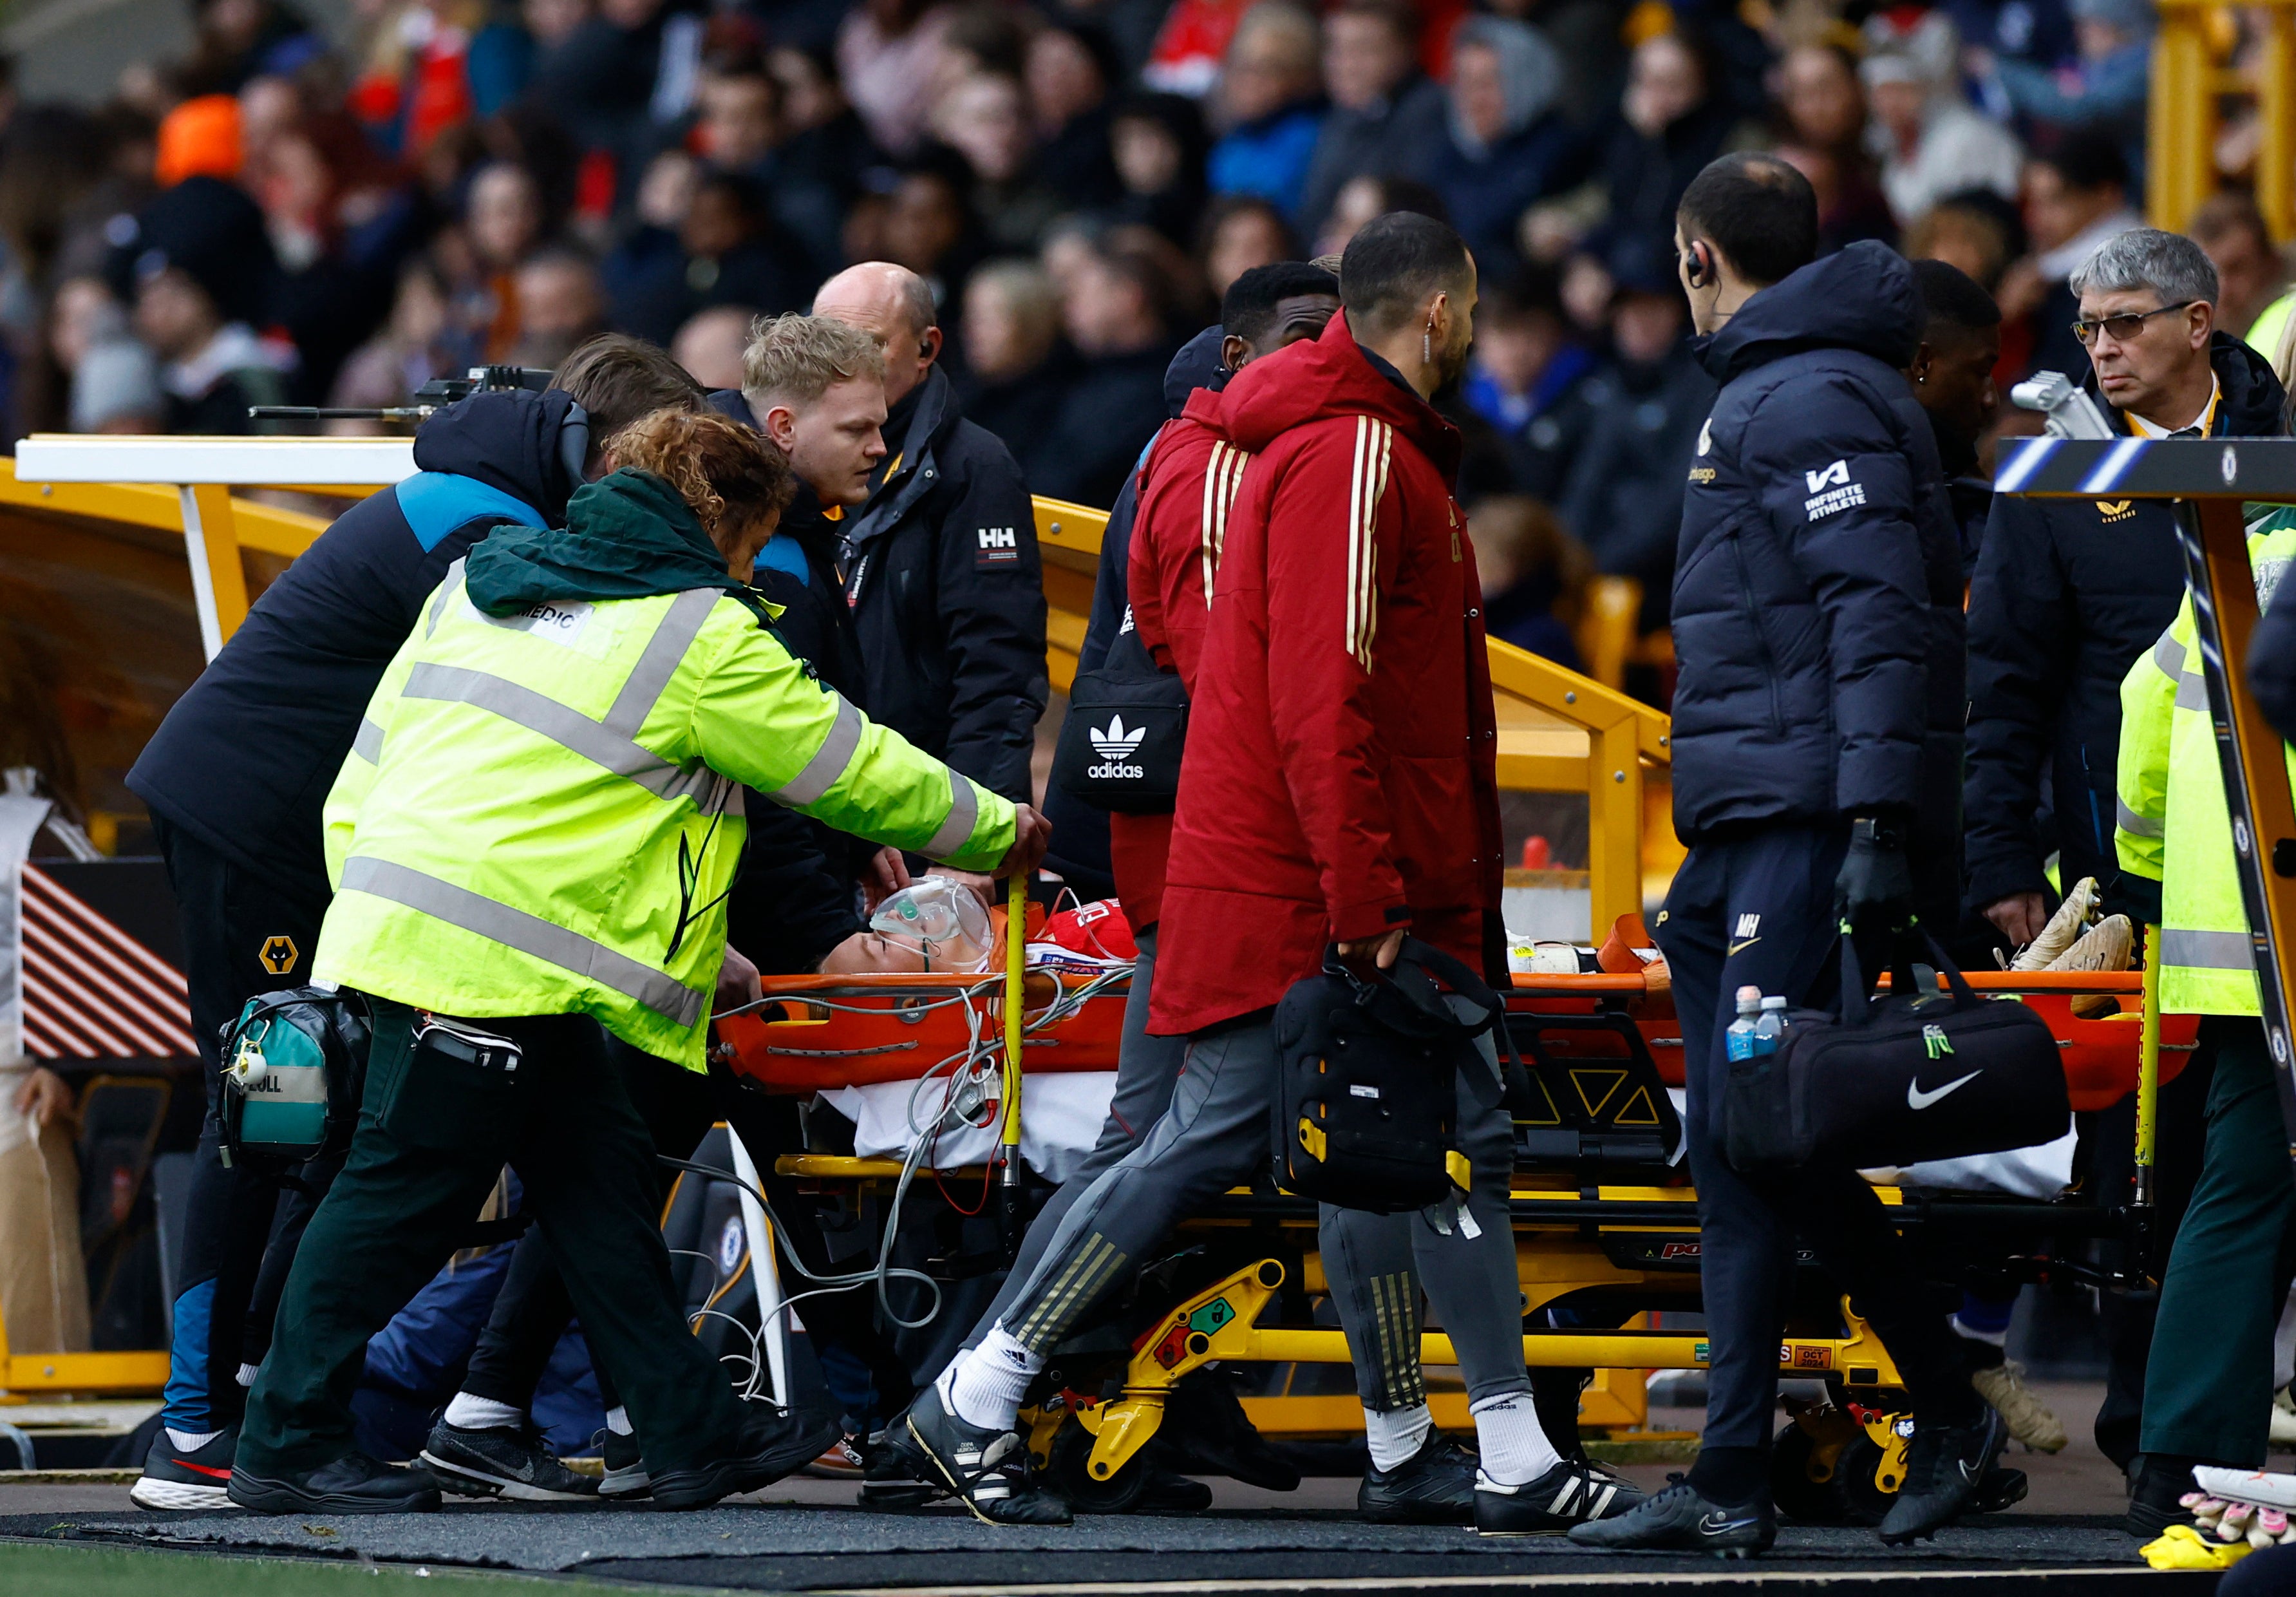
2171 823
542 811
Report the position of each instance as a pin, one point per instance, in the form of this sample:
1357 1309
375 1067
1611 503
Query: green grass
31 1571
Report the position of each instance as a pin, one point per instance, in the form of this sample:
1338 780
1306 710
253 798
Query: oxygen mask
941 919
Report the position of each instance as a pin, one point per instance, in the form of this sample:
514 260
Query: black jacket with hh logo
941 570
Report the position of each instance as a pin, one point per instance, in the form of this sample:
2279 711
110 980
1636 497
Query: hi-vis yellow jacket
541 812
2172 822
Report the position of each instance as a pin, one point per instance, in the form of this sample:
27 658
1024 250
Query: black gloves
1875 891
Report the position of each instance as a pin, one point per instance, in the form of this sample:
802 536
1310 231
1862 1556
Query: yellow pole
2181 111
219 580
1614 825
2148 1067
2275 97
1016 934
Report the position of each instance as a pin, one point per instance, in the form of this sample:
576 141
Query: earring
1427 345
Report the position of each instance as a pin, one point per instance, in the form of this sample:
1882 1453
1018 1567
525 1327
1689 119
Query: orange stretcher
822 1032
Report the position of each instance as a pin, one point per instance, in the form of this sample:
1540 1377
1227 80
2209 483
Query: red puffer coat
1341 775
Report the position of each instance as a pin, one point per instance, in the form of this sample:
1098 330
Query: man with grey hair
2066 594
937 558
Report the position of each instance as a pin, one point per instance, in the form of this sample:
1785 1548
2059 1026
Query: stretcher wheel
1065 1472
1865 1501
1805 1472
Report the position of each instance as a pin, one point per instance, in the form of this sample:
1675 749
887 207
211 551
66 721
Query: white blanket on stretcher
1061 1117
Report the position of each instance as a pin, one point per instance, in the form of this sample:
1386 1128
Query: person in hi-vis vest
530 844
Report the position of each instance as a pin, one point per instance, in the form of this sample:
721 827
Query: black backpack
1367 1102
1921 1075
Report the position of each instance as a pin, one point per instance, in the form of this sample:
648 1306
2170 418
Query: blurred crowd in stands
286 216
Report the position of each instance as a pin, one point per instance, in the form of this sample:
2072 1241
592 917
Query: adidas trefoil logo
1116 741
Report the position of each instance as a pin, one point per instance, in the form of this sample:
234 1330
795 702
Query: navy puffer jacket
1817 612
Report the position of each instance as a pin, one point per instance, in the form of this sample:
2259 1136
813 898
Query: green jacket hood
627 536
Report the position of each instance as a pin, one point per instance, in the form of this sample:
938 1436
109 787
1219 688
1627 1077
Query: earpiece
1697 265
574 446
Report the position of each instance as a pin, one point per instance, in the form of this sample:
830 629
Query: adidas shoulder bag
1921 1075
1128 722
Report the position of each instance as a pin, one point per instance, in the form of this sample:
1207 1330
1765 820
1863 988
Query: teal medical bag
294 1063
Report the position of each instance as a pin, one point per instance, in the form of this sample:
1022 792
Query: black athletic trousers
1759 909
678 1106
434 1135
243 935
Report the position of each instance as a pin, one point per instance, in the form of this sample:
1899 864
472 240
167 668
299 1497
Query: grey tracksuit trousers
1214 1135
1146 1067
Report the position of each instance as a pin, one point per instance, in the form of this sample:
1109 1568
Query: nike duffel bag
1922 1073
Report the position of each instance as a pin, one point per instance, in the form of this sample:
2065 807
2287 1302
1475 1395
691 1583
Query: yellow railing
24 1375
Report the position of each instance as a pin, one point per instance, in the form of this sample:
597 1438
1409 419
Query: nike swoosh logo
203 1469
1715 1524
1916 1099
1739 948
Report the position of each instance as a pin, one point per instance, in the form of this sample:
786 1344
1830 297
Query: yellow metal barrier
27 1375
1558 731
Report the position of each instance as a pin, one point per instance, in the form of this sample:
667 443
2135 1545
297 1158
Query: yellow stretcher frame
1554 1258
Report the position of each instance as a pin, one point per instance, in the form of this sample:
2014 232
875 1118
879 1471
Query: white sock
247 1374
984 1387
190 1441
1396 1436
482 1413
1515 1451
618 1420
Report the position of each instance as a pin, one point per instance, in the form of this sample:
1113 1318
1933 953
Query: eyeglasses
2125 327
